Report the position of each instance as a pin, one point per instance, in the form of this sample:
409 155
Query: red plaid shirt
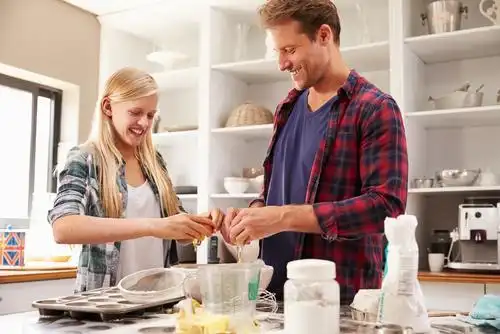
358 178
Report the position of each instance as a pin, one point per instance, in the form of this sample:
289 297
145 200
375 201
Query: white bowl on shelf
236 185
167 59
257 183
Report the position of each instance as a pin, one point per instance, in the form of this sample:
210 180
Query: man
337 163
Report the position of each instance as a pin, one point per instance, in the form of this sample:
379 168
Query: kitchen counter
458 277
21 276
30 322
18 276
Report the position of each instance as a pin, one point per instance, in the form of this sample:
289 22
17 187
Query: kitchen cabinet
228 64
17 297
443 296
493 289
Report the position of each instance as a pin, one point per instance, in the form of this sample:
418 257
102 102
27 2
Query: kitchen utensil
193 283
229 288
423 183
492 13
457 177
257 183
152 285
105 303
444 16
236 185
488 178
458 99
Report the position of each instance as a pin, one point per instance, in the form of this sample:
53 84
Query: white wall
57 40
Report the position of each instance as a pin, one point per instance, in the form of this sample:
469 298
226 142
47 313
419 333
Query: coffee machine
477 238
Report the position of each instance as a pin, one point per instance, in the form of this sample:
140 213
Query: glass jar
311 298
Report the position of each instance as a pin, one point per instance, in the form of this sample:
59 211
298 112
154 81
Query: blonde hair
124 85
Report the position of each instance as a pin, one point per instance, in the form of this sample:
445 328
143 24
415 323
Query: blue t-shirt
293 156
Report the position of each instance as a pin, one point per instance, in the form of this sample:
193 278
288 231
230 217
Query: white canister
312 298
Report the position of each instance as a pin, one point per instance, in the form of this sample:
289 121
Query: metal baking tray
105 304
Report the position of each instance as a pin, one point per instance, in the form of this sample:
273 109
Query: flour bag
401 300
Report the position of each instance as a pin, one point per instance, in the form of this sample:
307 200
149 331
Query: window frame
38 90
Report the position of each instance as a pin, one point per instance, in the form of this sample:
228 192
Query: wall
55 39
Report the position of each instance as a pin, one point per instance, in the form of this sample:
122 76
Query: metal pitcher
444 16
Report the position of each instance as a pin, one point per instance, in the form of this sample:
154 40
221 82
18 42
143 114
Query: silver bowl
457 177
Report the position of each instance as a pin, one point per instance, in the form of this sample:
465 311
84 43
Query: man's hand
256 223
231 213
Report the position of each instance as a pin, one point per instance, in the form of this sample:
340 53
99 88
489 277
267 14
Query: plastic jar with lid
311 298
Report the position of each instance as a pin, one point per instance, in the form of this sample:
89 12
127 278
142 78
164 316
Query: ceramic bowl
236 185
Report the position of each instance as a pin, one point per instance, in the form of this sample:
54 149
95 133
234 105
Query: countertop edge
36 275
423 276
455 277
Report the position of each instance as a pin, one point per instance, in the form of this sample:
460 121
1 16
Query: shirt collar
347 88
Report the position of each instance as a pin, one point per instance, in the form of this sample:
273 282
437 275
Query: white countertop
31 323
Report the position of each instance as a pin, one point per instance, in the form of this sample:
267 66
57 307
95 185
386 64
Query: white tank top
141 253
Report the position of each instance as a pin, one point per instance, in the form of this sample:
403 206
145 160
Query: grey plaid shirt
78 194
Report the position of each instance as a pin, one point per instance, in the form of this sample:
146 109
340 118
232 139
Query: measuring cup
228 288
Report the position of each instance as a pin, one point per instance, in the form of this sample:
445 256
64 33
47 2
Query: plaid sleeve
72 187
163 165
384 175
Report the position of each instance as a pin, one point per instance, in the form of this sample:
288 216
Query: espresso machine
476 240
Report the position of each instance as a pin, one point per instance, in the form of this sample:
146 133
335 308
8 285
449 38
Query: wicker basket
249 114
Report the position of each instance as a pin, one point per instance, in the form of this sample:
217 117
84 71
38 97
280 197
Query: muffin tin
104 304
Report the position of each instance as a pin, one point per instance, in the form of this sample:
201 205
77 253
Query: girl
115 196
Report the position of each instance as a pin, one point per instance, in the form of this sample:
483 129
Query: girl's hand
183 226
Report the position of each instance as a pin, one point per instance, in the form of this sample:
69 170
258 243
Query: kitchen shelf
447 190
177 79
367 57
187 196
364 58
250 132
254 71
235 196
173 138
462 117
456 45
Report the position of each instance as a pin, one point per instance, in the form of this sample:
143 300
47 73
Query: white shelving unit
391 48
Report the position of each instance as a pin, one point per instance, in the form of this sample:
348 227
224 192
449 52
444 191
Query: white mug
436 262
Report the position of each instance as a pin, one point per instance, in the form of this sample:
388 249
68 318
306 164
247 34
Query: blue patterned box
12 245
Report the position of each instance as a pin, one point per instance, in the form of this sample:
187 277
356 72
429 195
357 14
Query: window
29 135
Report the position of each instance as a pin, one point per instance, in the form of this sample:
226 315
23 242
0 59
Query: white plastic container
312 298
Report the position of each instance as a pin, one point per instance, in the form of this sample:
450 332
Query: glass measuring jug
230 288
